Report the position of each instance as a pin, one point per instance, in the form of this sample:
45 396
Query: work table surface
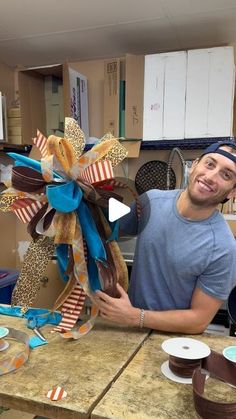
85 368
142 391
113 372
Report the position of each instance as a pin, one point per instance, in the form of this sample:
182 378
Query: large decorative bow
64 203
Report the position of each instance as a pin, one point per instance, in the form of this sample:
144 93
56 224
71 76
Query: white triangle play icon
116 209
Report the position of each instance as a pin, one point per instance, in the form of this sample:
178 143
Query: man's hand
118 310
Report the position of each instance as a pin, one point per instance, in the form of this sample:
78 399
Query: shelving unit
184 144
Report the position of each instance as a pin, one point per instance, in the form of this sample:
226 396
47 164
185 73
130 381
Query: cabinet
164 96
210 92
189 94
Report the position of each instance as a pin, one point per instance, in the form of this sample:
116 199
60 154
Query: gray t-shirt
174 255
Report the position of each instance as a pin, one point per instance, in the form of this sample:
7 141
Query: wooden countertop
86 369
142 391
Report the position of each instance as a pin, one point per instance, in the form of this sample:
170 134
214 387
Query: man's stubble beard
205 203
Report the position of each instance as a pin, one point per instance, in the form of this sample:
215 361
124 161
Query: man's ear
194 164
232 194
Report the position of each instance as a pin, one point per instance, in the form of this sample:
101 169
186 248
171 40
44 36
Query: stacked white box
210 92
189 94
164 95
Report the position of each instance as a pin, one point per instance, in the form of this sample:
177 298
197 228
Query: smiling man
185 257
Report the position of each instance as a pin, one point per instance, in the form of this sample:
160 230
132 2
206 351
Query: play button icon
116 209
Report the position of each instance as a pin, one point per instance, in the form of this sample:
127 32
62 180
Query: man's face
212 179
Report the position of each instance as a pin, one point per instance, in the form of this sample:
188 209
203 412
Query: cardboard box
134 96
78 86
133 147
8 240
35 96
33 104
51 284
15 139
13 112
111 96
14 130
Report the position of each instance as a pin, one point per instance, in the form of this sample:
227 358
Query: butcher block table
86 368
142 391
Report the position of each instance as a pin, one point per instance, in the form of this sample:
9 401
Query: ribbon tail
71 310
28 284
84 328
65 293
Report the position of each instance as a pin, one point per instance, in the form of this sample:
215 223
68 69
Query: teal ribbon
36 317
67 198
64 197
62 259
89 229
115 226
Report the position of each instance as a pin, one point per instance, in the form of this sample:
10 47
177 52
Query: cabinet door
221 92
164 96
153 97
209 94
175 69
197 94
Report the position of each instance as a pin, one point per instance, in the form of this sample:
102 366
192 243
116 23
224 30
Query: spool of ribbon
219 368
9 364
183 367
185 355
3 343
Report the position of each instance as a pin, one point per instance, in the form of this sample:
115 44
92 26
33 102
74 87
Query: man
185 257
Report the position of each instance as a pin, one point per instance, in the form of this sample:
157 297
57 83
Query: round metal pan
153 175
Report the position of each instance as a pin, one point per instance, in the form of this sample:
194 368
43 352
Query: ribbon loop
65 197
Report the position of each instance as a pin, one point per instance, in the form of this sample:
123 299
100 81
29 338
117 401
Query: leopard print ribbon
35 263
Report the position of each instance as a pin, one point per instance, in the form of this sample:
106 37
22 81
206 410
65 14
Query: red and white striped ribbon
98 171
71 309
57 393
41 142
26 208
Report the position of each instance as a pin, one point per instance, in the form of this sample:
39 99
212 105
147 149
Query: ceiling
44 32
